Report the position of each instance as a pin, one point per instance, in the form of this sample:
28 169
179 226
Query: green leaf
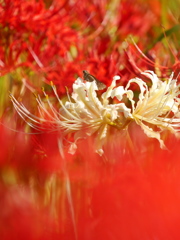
168 33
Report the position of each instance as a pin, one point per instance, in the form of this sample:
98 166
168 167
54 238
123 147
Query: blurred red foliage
58 39
133 198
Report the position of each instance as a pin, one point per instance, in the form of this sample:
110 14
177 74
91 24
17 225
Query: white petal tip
100 152
72 149
116 77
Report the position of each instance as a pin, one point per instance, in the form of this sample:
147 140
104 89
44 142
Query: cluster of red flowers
45 195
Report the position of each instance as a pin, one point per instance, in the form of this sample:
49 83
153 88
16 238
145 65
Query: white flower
85 114
158 106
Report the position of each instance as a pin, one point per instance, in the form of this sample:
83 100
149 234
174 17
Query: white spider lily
82 116
158 106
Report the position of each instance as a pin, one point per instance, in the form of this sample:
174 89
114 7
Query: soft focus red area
15 148
19 219
30 152
89 14
135 200
134 205
123 200
47 157
132 14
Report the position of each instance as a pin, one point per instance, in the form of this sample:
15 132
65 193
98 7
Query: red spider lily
28 27
101 66
89 16
137 61
40 39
